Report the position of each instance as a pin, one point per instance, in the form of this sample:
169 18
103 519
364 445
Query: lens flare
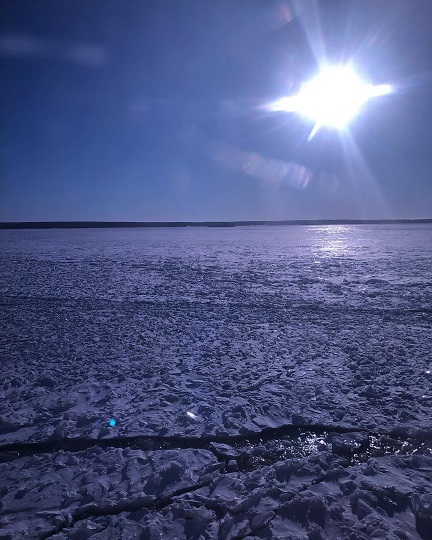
255 165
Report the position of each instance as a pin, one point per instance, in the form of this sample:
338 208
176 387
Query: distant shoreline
153 224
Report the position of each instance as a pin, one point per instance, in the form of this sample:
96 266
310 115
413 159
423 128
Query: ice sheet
212 333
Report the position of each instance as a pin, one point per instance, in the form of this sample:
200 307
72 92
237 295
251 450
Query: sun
332 98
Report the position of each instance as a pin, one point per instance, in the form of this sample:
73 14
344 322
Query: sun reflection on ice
335 243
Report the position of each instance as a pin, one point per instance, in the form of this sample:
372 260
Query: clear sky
154 110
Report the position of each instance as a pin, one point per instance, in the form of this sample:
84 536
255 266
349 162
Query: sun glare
332 98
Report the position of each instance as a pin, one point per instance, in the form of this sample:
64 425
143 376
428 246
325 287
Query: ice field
263 382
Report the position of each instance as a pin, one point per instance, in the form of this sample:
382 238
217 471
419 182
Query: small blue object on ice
112 422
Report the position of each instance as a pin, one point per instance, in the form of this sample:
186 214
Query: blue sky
153 111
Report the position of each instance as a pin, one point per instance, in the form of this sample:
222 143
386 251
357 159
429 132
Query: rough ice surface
214 335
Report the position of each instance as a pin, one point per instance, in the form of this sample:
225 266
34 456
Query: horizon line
97 224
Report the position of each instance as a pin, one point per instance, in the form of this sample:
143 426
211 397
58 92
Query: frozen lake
214 333
231 324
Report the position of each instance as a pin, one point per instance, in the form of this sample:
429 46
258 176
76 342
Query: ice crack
296 439
153 504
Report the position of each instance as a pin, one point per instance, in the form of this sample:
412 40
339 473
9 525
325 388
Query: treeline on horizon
116 224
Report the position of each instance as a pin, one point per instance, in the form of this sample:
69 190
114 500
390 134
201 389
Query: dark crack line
139 503
155 442
157 504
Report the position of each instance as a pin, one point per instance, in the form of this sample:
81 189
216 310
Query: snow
248 382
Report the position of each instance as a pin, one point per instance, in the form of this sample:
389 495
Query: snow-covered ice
263 382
